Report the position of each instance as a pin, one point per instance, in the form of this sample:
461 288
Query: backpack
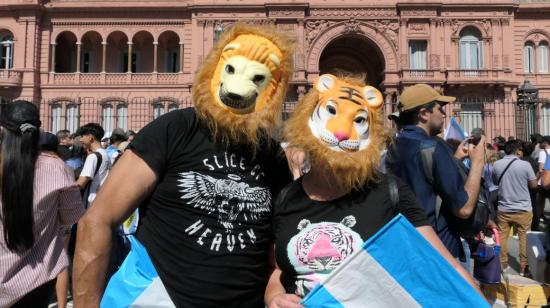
483 211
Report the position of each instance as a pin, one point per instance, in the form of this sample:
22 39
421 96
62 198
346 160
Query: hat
106 137
119 132
421 94
48 141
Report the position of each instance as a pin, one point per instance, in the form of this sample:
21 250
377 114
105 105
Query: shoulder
50 164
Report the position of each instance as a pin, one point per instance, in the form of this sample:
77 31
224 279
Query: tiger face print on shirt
319 248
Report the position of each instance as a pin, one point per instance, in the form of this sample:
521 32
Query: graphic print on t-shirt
319 248
230 200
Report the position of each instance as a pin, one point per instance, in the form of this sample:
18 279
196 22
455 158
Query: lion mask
240 88
338 124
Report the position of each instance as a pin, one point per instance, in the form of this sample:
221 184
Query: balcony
420 76
455 76
482 76
102 79
10 78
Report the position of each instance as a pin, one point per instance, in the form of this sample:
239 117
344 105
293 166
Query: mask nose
341 136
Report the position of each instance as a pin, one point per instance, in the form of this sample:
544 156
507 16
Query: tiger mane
348 170
231 128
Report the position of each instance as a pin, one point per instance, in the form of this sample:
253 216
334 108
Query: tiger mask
339 125
240 88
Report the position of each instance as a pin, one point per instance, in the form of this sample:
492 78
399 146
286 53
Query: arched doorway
354 54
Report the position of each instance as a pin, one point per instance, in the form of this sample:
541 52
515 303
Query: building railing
467 73
116 78
10 78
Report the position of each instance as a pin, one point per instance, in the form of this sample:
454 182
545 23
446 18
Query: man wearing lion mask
204 179
328 213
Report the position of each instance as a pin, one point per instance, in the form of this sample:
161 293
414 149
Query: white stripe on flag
368 283
155 296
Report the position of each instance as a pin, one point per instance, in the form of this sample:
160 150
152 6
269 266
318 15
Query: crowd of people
225 218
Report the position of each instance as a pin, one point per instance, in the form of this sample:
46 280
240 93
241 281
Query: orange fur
348 170
233 128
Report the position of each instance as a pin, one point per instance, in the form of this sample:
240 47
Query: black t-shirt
313 237
207 224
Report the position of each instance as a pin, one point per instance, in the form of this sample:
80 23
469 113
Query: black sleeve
410 207
156 142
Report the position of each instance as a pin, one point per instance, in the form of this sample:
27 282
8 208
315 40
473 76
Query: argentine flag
397 267
454 131
136 284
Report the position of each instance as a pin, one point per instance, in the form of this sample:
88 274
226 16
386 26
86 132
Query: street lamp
527 95
527 104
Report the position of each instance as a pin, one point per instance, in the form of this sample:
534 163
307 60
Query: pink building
123 63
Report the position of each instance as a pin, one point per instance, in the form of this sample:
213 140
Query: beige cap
421 94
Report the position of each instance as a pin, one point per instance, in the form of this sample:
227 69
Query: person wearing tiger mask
328 213
204 179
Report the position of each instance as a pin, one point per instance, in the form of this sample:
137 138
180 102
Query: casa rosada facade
124 63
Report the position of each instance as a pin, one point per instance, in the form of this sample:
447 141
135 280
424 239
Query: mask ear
325 82
372 96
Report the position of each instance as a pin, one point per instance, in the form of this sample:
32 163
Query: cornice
348 12
117 22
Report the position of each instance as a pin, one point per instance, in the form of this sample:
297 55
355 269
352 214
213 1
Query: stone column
129 57
78 49
155 56
104 57
52 69
181 57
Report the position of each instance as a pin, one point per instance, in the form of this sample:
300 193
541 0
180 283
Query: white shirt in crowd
89 169
543 155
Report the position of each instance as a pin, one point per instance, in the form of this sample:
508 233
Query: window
471 49
172 107
158 110
218 31
122 117
528 57
417 55
73 117
56 118
107 118
172 61
123 61
85 62
6 52
543 57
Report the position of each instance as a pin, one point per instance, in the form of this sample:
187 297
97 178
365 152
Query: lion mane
348 170
243 129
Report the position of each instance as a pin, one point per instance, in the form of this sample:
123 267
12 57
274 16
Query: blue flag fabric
397 267
454 131
136 284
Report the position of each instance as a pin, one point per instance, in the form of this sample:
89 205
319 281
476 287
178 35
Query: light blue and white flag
136 284
397 267
454 131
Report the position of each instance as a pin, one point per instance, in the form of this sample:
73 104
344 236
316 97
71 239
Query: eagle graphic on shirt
229 198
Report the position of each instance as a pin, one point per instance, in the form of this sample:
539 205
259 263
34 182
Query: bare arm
82 181
275 295
533 183
115 201
429 234
473 182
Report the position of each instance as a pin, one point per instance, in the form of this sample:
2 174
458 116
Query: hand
462 150
477 153
285 301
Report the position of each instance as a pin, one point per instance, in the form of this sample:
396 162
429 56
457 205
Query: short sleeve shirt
312 238
207 223
89 168
513 193
547 165
404 160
